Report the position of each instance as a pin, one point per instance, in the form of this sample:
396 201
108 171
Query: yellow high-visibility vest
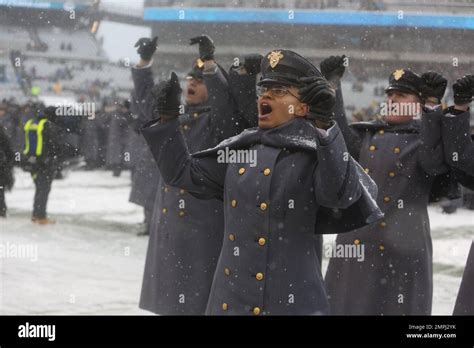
31 126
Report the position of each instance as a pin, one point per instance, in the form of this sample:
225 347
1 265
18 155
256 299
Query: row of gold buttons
255 310
181 212
181 191
265 172
395 149
381 247
261 241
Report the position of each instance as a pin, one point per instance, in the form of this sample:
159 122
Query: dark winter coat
13 127
94 139
268 262
459 153
145 174
465 299
395 277
7 160
117 136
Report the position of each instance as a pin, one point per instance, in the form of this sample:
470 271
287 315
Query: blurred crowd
103 140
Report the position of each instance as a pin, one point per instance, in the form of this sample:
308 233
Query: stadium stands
448 6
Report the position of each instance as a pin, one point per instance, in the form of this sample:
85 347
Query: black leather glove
146 47
333 68
206 46
167 98
252 63
320 96
463 90
434 87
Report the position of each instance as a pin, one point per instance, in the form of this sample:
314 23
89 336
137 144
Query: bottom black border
139 330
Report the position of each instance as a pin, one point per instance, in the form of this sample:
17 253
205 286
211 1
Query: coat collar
193 112
297 135
410 127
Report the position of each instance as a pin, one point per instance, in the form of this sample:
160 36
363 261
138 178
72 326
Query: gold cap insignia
274 58
398 74
199 63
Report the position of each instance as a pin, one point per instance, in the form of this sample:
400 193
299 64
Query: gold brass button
263 206
164 210
386 199
186 127
356 242
266 171
261 241
259 276
182 191
181 213
396 150
257 311
227 271
233 203
383 224
381 132
224 306
366 170
372 147
166 189
231 237
195 114
241 170
382 248
391 174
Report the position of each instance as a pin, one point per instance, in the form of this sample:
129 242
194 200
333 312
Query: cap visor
270 81
401 88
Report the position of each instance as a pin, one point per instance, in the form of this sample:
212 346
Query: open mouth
265 109
191 91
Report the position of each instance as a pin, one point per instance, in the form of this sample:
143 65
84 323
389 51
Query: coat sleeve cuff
327 136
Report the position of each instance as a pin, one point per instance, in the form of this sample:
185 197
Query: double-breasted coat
186 233
268 263
395 276
465 300
459 153
145 174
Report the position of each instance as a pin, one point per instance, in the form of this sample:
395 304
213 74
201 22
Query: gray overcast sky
120 38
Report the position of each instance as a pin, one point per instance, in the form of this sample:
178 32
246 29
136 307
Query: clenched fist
167 98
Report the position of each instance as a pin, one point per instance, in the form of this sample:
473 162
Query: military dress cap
286 67
405 80
196 71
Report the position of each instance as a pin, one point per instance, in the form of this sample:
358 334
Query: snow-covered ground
91 261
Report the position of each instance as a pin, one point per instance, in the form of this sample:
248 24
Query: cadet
117 136
7 159
403 156
186 233
459 154
145 176
268 263
10 120
42 150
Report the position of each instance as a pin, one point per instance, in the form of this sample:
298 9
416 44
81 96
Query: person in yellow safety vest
42 150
